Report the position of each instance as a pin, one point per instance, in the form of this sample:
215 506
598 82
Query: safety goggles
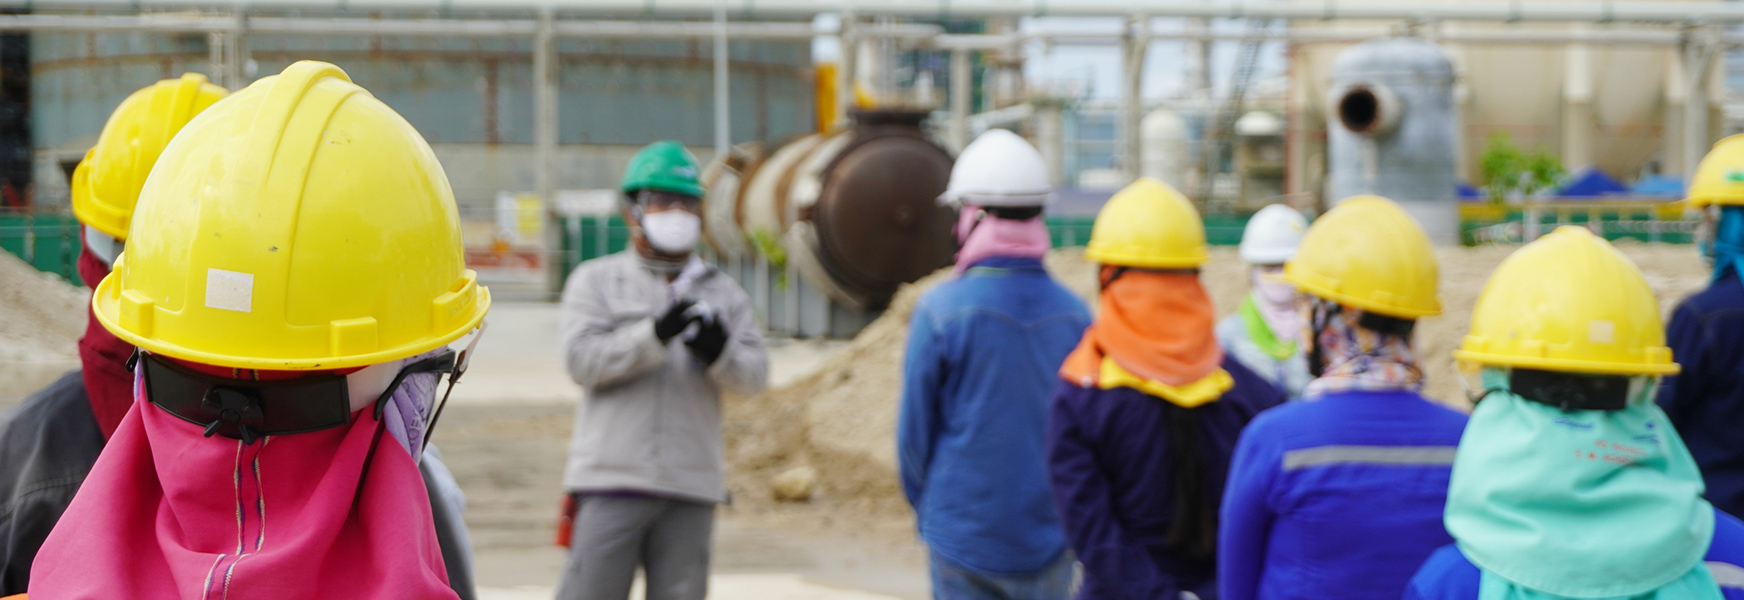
1573 391
655 200
248 410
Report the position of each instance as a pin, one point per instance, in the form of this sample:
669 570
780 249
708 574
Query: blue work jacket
1705 401
983 353
1337 496
1448 575
1111 466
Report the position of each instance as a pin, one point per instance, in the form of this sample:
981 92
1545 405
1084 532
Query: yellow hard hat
1568 302
1148 225
1720 176
106 183
1368 254
300 224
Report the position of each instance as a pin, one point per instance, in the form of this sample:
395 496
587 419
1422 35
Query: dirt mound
841 420
41 316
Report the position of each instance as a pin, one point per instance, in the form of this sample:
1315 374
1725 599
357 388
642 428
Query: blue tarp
1468 192
1589 182
1658 185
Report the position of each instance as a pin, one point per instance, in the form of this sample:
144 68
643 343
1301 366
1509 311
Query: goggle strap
430 428
460 365
441 363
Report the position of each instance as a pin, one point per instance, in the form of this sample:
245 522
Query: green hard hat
663 166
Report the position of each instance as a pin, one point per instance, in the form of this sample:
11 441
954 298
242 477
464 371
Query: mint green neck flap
1579 504
1261 334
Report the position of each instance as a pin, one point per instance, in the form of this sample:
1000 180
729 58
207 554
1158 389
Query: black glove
677 317
710 341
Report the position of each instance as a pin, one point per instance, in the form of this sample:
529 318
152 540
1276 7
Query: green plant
770 247
1506 168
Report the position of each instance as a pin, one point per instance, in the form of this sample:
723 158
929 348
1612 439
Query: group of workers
275 305
1287 452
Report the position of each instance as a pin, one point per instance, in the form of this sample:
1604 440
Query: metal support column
1698 49
545 133
1134 44
848 75
962 80
227 52
723 116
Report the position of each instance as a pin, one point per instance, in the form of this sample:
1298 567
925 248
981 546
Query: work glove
677 317
710 341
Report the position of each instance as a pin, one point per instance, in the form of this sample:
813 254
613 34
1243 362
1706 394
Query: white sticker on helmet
229 290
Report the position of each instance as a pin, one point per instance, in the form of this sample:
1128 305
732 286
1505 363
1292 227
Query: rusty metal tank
854 211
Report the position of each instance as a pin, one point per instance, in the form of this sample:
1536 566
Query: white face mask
672 231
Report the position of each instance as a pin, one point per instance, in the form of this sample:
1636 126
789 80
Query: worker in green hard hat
652 334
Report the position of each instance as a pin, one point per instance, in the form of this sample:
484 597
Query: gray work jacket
650 418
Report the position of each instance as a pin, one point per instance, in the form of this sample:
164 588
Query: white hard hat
999 169
1272 235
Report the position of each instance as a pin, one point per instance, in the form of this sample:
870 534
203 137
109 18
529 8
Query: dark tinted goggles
247 410
1571 391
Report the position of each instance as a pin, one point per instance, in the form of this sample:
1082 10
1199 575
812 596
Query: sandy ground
505 436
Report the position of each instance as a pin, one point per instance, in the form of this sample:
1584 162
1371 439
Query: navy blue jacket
1111 466
983 353
1706 401
1337 496
1447 575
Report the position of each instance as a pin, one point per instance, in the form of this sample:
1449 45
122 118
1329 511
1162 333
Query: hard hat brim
106 306
1123 259
1268 257
1566 365
1364 304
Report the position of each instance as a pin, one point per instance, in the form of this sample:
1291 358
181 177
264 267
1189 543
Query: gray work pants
614 534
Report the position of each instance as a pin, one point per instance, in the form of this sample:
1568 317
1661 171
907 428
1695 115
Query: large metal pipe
1492 10
926 35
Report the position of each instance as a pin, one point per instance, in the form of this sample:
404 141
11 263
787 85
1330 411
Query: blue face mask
1726 248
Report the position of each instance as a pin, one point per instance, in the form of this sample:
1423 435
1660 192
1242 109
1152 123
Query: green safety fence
1638 225
585 238
49 242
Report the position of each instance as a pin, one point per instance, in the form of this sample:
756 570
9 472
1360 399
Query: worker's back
1705 402
983 352
1337 496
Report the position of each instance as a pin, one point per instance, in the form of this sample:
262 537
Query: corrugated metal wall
469 98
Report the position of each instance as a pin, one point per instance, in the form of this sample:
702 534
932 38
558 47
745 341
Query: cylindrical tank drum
724 179
1164 138
876 223
1394 128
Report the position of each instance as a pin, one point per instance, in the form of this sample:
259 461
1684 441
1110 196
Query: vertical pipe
215 42
961 78
723 124
236 74
847 75
1132 96
1577 108
1697 49
545 127
1050 137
